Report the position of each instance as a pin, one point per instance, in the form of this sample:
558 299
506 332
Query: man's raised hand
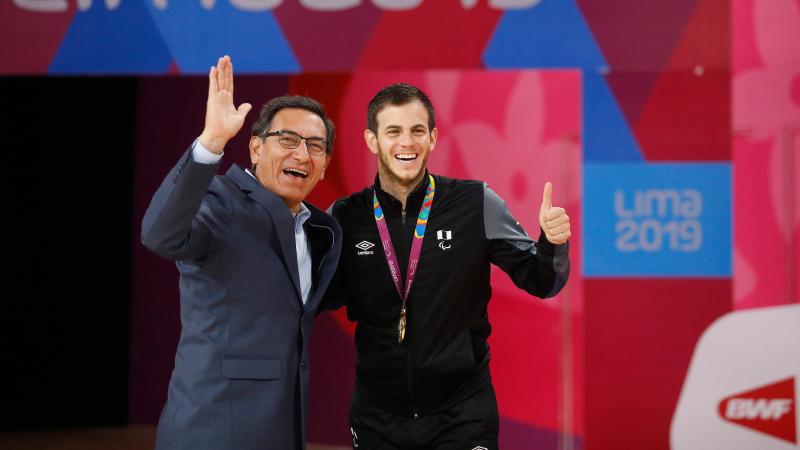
553 220
223 119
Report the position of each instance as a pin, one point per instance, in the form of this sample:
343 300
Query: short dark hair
268 111
398 94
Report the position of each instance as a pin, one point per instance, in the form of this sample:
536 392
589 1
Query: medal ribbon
416 246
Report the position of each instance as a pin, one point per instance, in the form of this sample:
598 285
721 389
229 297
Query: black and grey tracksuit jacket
444 357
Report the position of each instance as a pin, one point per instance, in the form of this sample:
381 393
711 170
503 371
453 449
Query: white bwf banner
741 389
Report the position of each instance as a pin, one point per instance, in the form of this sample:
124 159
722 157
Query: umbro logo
365 247
480 448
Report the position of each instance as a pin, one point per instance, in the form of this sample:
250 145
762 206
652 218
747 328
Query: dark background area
69 176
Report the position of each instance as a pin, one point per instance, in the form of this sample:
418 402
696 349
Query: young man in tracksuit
414 274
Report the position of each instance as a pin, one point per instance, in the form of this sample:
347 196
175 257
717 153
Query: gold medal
401 327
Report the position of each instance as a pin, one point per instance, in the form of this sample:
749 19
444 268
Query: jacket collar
413 202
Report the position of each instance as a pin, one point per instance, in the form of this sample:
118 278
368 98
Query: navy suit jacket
241 377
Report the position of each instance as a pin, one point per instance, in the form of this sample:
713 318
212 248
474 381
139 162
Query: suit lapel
281 219
284 225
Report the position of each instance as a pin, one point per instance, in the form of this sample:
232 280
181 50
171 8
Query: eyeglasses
290 140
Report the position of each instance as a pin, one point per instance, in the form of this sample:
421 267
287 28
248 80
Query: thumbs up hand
553 220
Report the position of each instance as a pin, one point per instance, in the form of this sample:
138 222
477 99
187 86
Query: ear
327 161
371 140
434 138
255 145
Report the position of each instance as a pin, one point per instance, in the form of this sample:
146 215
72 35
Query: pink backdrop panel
766 152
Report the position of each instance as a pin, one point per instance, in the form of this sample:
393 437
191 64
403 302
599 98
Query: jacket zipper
409 371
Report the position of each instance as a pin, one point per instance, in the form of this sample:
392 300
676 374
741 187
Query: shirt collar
303 214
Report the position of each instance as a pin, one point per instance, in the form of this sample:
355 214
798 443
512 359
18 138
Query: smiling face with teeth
290 173
402 143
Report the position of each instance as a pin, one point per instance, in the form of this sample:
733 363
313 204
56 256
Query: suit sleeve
184 214
539 267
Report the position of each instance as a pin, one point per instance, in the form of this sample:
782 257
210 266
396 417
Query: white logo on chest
444 236
365 247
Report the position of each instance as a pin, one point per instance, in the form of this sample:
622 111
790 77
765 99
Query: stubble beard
385 172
